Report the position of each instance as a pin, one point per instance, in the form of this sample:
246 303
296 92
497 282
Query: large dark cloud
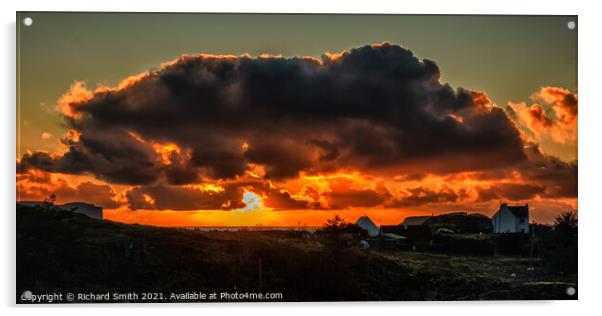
161 197
226 196
376 108
421 195
111 155
510 191
559 178
342 194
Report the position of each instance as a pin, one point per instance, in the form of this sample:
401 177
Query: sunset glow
283 137
252 202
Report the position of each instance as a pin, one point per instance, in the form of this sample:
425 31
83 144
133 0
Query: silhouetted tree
335 223
559 246
540 229
50 199
340 233
566 223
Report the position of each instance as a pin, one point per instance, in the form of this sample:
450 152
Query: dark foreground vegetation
59 251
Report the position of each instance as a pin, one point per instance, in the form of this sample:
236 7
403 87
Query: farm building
412 232
367 224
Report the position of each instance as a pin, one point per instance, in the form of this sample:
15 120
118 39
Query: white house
367 224
511 219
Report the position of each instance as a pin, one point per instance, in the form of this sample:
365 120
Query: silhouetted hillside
461 222
65 252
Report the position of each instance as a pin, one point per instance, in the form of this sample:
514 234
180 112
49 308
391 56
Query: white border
590 157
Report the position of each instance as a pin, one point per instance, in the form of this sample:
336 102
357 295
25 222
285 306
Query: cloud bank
378 109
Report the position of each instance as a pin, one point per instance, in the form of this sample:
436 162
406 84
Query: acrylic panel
196 157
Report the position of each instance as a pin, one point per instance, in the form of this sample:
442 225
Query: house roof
393 236
366 223
411 231
519 211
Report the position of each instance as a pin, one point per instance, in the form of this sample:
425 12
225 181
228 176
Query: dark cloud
421 195
206 196
510 191
109 155
545 175
166 197
37 186
220 163
98 194
374 107
283 200
225 196
378 109
558 177
342 194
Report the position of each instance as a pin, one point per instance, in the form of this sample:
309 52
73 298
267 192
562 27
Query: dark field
66 252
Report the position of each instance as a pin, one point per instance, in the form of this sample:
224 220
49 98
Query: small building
392 236
390 241
511 219
413 233
384 237
368 225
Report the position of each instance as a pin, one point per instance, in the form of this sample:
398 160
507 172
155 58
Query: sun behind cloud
233 139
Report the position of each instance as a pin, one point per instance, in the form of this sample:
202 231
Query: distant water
249 228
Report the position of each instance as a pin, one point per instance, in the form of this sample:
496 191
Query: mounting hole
570 291
27 21
571 25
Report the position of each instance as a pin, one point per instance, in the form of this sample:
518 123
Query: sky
233 119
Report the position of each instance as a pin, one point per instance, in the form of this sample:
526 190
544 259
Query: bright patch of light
253 202
149 199
164 151
207 187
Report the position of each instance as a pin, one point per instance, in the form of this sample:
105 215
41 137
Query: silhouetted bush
461 222
516 244
558 247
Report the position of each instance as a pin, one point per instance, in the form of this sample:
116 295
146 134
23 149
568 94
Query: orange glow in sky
308 169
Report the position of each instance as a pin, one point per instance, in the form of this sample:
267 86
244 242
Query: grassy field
66 252
485 277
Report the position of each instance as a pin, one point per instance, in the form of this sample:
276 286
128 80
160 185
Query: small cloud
555 117
46 136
